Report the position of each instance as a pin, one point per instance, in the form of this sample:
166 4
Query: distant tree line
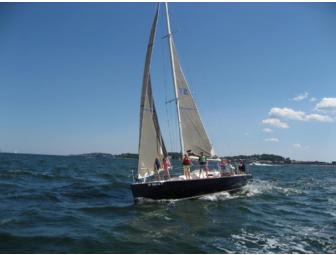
128 155
250 158
262 158
266 158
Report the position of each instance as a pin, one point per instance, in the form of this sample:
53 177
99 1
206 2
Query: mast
170 42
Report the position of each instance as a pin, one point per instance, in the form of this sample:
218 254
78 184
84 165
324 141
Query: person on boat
157 166
166 167
186 162
222 165
202 160
207 168
230 168
241 167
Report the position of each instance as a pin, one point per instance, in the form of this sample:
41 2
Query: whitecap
6 221
258 187
219 196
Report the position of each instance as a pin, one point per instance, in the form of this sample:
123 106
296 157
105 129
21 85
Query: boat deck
196 175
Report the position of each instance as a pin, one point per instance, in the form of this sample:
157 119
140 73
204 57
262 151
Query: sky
262 74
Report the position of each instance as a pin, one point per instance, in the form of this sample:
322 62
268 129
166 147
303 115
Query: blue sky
263 76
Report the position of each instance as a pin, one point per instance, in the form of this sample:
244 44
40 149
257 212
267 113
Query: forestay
194 135
151 143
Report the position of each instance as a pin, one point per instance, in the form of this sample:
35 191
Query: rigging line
172 114
166 96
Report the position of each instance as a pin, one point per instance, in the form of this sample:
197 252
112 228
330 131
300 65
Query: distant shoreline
255 158
260 158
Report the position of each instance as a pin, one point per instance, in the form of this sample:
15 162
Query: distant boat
192 134
260 164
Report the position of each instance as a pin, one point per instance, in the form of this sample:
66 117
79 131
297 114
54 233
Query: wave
113 209
21 173
143 200
5 187
255 188
267 243
258 187
43 197
7 221
12 243
73 205
219 196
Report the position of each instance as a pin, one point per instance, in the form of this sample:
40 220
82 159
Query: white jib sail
151 144
195 138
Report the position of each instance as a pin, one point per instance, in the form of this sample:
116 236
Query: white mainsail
151 143
195 138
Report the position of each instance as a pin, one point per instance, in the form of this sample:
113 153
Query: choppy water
55 204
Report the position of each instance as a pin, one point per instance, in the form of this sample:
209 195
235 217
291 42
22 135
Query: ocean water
56 204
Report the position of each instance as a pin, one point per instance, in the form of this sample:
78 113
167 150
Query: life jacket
186 162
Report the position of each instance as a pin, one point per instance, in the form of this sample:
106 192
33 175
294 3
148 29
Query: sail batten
151 144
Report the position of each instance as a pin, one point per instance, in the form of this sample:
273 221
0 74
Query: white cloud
312 99
300 147
275 123
272 140
287 113
327 104
268 130
301 96
298 115
319 118
246 133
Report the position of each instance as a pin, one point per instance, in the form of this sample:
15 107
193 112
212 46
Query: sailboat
192 135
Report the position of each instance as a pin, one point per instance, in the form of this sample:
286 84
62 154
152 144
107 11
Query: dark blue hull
188 188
